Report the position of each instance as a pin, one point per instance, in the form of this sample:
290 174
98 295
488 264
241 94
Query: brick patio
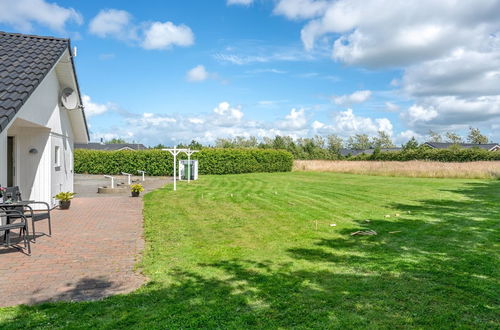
90 255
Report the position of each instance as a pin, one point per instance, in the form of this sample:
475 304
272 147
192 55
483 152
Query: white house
37 132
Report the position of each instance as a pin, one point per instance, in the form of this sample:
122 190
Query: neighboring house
37 132
356 152
111 146
443 145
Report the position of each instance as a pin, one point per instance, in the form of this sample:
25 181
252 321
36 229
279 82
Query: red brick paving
91 254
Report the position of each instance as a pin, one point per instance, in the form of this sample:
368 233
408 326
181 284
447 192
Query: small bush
438 155
158 162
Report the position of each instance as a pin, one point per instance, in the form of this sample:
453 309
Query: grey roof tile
24 61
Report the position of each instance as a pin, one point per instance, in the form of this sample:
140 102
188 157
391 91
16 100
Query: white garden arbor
174 153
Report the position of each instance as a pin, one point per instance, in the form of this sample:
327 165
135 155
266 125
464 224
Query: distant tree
159 146
319 141
224 143
434 136
412 144
452 137
475 136
359 142
116 141
278 142
307 145
195 145
334 144
383 140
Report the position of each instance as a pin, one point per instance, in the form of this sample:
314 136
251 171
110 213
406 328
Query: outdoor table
10 206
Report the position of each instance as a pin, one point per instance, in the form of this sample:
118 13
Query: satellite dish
69 98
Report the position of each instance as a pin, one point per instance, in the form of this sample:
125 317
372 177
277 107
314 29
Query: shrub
158 162
439 155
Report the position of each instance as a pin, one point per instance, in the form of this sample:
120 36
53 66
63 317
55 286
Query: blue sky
172 71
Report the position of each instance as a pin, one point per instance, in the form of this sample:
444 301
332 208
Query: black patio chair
14 193
14 220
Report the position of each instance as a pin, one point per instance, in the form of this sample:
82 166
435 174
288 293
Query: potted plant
64 199
136 189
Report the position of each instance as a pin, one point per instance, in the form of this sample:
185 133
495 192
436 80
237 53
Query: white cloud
239 2
449 51
300 9
354 98
152 120
227 120
251 51
196 120
391 107
463 73
295 120
227 113
270 70
111 22
93 109
118 24
224 121
197 74
434 112
347 123
165 35
402 32
419 114
22 14
406 135
316 125
271 103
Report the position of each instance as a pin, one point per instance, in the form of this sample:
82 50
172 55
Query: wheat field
417 168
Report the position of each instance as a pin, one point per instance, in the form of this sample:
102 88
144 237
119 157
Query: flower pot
135 194
64 205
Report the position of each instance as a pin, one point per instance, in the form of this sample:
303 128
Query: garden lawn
275 250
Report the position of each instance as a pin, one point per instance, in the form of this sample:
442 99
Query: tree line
329 147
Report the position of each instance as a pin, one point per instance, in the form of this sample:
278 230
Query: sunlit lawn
261 250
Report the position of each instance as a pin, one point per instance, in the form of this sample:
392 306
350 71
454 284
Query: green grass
259 250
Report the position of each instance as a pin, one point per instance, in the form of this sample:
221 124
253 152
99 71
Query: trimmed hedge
158 162
439 155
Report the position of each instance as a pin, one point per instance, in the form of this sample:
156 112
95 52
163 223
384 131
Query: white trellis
174 153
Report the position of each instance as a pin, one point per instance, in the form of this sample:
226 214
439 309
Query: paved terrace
91 254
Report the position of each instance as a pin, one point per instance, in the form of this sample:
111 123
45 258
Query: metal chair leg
50 227
33 227
26 238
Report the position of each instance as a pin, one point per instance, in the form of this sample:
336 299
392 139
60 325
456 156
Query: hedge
158 162
439 155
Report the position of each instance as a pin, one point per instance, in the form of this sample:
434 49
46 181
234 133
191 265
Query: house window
57 156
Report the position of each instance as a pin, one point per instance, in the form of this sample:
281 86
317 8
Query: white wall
41 124
62 173
33 170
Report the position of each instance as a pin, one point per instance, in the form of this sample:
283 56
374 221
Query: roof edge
34 36
78 88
